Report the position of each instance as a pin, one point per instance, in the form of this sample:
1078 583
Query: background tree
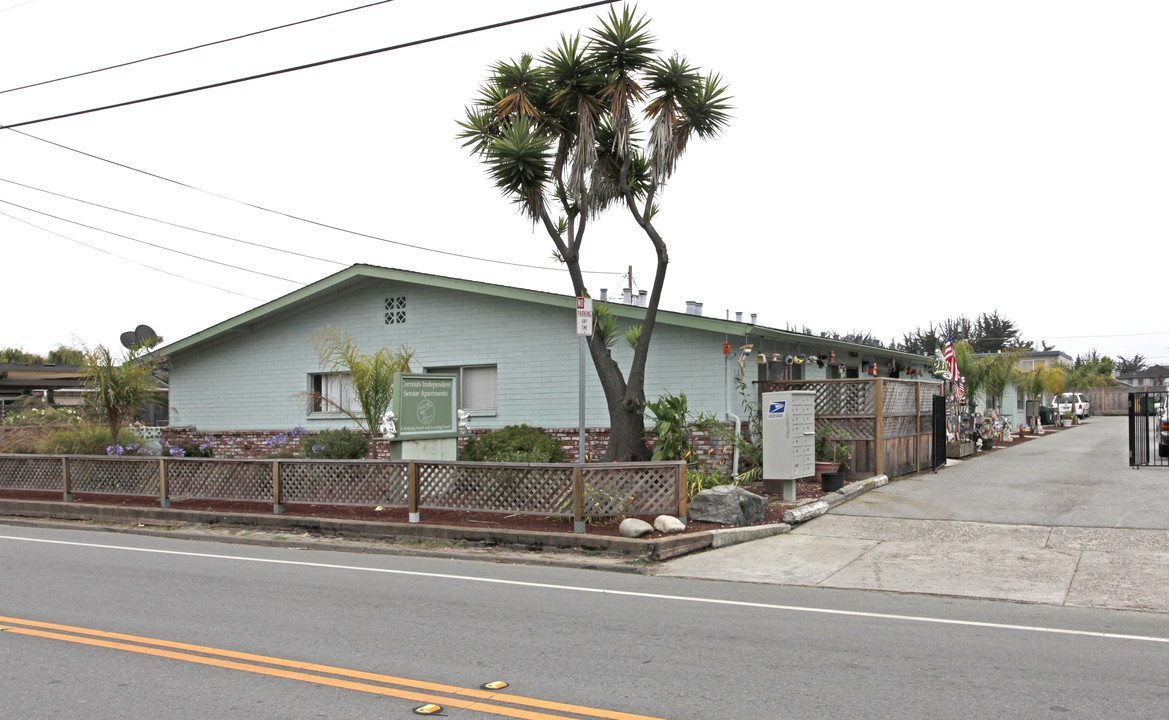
117 390
562 139
66 356
1134 364
370 376
993 333
17 355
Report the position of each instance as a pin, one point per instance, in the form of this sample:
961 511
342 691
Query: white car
1073 402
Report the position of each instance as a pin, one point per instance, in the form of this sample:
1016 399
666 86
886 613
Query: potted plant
832 454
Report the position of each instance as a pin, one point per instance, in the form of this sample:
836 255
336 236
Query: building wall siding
257 380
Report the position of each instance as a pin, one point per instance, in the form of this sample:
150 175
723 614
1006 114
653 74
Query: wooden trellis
887 420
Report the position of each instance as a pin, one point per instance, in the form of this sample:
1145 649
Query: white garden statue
464 422
389 426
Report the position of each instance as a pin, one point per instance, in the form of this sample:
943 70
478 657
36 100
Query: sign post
584 328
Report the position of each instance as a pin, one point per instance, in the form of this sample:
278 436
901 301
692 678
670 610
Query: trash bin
1044 414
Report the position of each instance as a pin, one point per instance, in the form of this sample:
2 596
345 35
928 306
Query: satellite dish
145 334
141 335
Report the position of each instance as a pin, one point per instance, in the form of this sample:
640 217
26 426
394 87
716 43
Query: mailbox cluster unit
789 439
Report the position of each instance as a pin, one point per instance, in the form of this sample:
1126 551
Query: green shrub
699 480
81 440
335 445
514 443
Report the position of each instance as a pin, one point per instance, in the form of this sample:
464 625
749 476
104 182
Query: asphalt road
641 645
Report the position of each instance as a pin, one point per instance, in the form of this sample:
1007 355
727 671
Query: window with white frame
477 386
329 392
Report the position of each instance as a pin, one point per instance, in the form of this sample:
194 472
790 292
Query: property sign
584 316
425 405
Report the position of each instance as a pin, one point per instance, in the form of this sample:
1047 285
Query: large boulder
728 505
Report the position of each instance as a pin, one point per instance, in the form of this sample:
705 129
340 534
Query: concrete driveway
1058 520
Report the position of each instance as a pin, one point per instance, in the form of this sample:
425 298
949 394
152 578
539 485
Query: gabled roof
356 275
1153 371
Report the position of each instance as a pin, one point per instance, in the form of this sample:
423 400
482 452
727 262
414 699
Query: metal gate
939 431
1148 429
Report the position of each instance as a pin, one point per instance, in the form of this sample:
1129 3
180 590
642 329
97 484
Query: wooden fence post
880 434
412 492
66 480
683 492
277 489
578 492
163 490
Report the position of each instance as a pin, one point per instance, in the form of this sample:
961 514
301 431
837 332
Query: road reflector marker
495 685
429 709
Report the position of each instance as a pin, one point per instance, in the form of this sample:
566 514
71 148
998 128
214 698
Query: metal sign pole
580 442
584 328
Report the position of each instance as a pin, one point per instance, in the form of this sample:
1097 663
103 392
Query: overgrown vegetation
514 443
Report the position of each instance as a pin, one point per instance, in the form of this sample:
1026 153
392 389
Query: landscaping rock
634 528
668 524
728 505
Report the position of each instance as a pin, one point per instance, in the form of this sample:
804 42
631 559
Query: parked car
1163 445
1073 402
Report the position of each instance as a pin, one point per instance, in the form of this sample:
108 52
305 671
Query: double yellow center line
484 701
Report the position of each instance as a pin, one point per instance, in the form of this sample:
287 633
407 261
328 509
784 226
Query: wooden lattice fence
888 421
563 489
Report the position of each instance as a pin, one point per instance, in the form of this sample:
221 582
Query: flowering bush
36 416
166 449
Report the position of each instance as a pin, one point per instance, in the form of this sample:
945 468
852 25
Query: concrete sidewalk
905 537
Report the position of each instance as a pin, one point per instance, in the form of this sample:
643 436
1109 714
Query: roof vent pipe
604 294
641 297
738 317
754 317
627 296
690 307
697 308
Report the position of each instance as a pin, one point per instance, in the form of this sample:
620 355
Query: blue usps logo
775 409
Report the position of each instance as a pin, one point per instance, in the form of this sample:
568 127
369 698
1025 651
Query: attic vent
396 310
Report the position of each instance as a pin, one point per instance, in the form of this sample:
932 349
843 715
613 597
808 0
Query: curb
804 513
495 545
633 549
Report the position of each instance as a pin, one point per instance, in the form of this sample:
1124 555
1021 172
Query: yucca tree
592 123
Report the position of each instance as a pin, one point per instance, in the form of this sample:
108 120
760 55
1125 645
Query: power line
307 220
150 244
307 66
193 47
177 225
121 257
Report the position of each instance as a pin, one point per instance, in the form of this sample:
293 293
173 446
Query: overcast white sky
890 164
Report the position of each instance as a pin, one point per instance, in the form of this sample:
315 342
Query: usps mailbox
789 439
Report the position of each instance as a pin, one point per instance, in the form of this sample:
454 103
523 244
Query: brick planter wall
712 453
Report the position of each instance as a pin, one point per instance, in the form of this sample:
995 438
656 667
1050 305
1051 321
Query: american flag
960 388
950 358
